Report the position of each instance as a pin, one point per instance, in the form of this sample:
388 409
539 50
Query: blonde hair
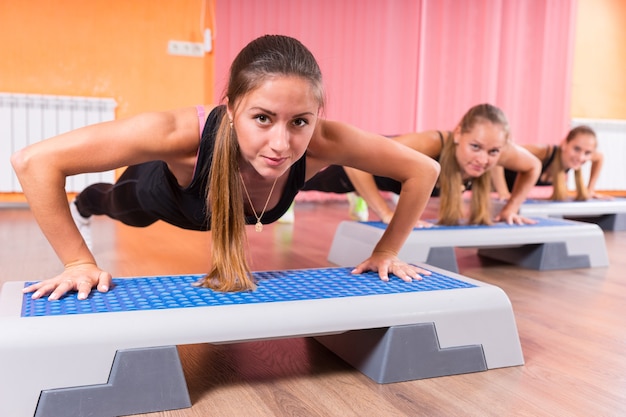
559 174
263 58
450 179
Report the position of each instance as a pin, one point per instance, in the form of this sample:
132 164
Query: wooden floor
572 326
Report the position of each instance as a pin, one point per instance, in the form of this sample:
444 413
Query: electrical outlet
185 48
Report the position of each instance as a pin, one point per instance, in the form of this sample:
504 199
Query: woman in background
467 155
578 147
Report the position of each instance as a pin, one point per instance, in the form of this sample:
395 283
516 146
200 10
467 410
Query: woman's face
578 150
479 149
275 124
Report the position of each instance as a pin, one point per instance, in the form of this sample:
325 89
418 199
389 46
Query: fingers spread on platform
386 263
81 278
514 219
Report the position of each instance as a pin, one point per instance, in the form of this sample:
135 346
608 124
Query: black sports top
185 207
545 165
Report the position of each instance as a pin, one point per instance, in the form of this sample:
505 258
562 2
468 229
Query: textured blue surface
541 222
152 293
546 201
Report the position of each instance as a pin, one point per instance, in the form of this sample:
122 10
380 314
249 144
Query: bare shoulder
172 132
329 141
427 142
343 144
338 143
173 121
540 150
515 157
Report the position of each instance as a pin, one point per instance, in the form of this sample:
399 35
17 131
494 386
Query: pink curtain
394 66
515 54
366 50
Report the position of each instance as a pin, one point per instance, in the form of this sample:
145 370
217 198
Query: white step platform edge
549 244
610 215
59 358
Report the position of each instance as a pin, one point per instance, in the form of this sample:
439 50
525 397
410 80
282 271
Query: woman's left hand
385 263
510 217
599 196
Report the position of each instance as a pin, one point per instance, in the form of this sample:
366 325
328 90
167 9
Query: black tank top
545 165
185 207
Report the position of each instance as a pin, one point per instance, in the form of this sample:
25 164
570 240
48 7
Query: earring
231 124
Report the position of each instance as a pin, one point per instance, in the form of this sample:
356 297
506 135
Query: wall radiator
29 118
611 136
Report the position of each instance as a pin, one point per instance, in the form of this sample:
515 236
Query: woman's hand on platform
510 217
422 224
385 263
80 277
599 196
504 196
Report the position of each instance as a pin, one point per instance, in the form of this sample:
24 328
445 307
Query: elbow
19 162
535 171
23 162
424 170
434 169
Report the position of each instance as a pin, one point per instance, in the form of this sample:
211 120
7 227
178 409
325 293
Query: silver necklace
258 226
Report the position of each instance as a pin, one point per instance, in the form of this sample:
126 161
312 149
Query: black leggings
334 179
118 201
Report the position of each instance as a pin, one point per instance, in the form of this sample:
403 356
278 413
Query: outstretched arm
43 167
341 144
528 169
597 161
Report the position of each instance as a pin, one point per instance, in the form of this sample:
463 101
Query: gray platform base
109 367
543 257
141 381
403 353
609 215
444 258
610 222
580 244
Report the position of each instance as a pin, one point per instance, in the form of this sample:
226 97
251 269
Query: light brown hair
450 180
559 174
263 58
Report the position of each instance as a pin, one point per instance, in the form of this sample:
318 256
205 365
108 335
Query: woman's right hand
504 195
81 277
422 224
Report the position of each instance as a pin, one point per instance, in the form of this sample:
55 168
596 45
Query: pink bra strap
200 110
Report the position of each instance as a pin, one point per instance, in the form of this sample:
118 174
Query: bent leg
118 201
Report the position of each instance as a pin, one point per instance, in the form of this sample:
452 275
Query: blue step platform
610 215
548 244
97 352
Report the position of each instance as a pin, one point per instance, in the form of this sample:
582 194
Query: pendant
258 226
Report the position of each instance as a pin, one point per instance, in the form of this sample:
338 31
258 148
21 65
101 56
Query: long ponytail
229 266
263 58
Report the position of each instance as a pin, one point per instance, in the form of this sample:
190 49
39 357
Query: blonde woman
467 155
579 147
